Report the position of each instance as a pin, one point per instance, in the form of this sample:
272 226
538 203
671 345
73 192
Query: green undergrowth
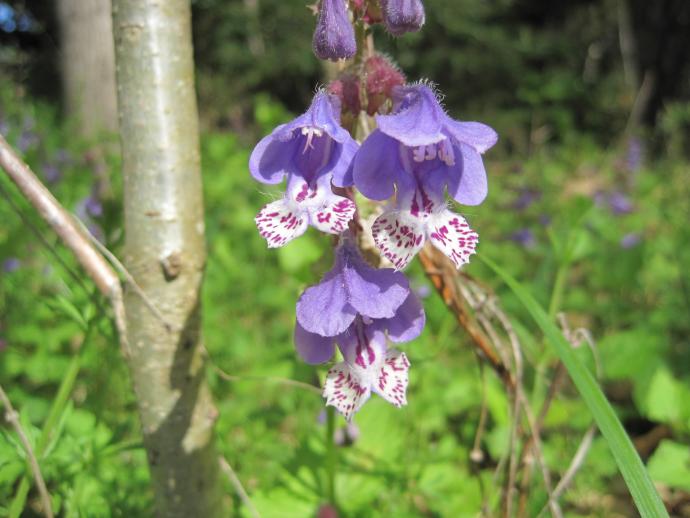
622 279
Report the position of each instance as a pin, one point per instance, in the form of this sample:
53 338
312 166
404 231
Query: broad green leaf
670 465
629 463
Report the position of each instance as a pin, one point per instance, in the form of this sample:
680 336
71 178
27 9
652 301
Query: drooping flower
401 16
358 308
422 151
334 36
311 150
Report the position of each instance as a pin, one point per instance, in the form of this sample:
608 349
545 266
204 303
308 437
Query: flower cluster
416 155
334 35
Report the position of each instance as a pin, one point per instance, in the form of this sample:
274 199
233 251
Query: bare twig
235 481
270 379
68 231
12 418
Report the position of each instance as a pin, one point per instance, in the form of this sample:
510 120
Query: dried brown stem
443 275
12 417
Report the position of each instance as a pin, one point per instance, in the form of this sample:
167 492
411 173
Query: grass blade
641 488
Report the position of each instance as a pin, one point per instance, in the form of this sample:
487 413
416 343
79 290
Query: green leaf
662 401
670 465
639 483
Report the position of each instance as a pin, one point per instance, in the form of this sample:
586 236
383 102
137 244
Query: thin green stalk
558 289
331 455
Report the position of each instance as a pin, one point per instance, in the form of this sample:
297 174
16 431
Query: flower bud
334 37
381 77
346 88
401 16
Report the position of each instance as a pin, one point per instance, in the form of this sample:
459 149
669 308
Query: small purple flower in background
86 210
525 199
422 151
524 237
619 203
11 264
334 36
630 240
28 138
358 308
635 154
311 150
51 173
544 220
4 127
401 16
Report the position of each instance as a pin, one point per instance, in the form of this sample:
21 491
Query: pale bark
164 251
87 64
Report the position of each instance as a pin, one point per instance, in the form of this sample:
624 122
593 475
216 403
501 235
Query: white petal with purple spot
278 223
450 233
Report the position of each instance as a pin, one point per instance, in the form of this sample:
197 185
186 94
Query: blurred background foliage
592 102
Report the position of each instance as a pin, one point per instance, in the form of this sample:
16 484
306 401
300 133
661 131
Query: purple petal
343 169
362 344
334 36
375 293
401 16
311 347
269 160
418 120
376 166
470 187
408 321
324 308
323 114
480 136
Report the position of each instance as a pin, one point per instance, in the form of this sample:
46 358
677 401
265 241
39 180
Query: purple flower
334 36
51 173
619 203
4 127
630 240
635 154
526 198
422 151
11 264
401 16
524 237
358 308
311 150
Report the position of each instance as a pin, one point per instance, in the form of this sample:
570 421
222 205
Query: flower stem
331 455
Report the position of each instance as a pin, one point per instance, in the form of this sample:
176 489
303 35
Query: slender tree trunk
87 64
164 250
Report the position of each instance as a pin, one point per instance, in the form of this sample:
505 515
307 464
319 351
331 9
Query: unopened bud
381 77
401 16
346 88
334 36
